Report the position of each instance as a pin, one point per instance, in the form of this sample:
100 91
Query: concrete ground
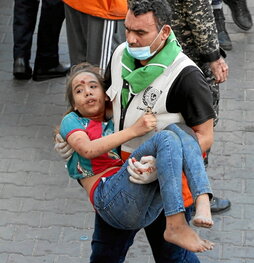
44 215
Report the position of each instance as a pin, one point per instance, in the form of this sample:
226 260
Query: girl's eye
78 91
93 86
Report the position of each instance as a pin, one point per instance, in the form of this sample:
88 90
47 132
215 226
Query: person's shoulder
70 115
190 78
73 116
190 71
72 121
117 54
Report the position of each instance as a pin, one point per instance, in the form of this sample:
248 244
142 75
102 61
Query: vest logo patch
150 97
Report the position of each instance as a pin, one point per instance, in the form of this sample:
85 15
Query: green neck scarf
141 78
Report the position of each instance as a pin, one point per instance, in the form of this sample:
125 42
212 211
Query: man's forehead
139 22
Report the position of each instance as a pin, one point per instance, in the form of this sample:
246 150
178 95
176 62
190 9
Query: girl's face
89 96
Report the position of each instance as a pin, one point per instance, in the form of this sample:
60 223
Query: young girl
100 170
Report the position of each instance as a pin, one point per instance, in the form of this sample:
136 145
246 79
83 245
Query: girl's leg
129 205
126 205
180 233
194 169
203 216
169 158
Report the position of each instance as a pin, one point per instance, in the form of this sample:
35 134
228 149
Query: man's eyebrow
135 30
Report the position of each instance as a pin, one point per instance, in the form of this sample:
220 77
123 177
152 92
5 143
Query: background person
223 36
241 17
240 13
94 29
46 64
194 26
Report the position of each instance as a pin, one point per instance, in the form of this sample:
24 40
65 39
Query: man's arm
203 28
204 132
194 22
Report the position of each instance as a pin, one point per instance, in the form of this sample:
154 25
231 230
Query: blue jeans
110 245
130 206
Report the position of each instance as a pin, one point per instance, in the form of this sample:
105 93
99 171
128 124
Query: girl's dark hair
160 8
76 70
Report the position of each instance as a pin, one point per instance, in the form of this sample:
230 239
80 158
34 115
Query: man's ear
166 30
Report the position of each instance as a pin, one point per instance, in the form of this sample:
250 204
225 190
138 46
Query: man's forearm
204 133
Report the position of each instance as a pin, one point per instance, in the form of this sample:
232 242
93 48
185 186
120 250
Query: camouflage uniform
194 26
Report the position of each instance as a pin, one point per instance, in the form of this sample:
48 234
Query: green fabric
141 78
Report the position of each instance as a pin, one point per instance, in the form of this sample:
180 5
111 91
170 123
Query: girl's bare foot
180 233
201 221
203 216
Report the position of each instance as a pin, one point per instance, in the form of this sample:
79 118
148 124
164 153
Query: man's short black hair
160 8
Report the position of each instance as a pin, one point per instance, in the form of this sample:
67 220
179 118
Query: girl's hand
144 124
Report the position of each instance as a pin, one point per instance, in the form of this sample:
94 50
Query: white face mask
142 53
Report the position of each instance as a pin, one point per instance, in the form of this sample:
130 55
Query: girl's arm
81 143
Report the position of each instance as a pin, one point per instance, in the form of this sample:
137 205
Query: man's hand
63 148
143 172
219 69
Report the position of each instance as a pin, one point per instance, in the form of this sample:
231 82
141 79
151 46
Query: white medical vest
154 97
